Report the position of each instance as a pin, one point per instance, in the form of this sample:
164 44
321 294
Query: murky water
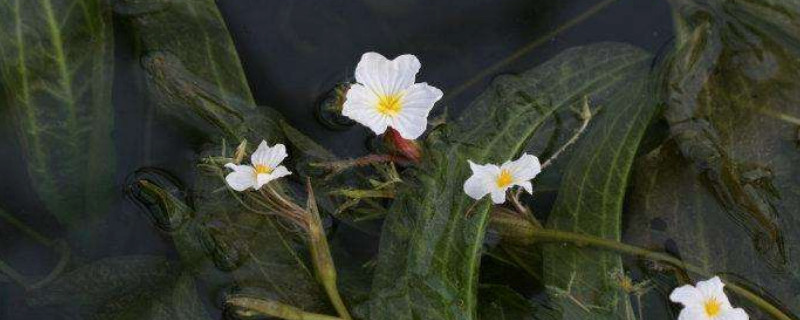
293 53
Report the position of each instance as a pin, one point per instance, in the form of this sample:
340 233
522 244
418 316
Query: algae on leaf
430 251
590 198
56 63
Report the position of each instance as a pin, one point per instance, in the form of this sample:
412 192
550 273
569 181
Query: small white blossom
386 95
494 180
265 167
706 301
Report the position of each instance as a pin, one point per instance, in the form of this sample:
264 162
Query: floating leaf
56 64
430 251
724 192
591 195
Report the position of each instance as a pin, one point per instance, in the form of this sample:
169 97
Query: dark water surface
292 53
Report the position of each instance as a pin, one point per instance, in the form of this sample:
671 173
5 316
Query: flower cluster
386 96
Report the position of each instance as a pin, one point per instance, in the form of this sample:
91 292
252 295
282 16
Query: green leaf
127 287
195 76
590 199
56 64
725 191
430 251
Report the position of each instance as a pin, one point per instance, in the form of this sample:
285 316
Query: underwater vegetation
673 176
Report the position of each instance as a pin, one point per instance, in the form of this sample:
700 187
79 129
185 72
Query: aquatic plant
656 169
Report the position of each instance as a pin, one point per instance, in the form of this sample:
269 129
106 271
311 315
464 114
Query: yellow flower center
504 179
260 168
713 307
389 105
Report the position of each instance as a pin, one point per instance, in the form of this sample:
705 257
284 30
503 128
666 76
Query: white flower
706 301
386 95
265 168
494 180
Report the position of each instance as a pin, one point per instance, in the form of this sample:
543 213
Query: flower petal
386 77
242 178
417 102
269 156
733 314
498 195
713 288
475 188
524 169
360 105
693 313
265 178
687 295
410 127
527 186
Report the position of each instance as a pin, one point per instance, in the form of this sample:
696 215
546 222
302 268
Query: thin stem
275 309
586 116
780 116
538 235
25 229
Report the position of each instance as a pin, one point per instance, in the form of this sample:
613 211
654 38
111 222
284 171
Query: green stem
321 256
780 116
539 235
275 309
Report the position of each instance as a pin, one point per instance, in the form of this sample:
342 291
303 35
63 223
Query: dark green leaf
430 252
725 192
591 195
130 287
56 64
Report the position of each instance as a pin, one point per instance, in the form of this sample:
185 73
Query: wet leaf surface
723 192
56 65
126 287
429 254
590 198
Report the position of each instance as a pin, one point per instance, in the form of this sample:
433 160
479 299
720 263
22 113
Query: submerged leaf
194 75
129 287
591 195
430 250
725 192
56 64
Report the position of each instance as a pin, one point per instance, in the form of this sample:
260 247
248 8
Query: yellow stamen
389 105
504 179
713 307
260 168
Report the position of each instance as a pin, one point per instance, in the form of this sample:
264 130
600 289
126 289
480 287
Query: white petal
280 171
713 288
242 178
417 102
527 186
360 105
687 295
265 178
268 156
384 76
498 195
475 187
693 313
419 98
410 127
733 314
523 169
